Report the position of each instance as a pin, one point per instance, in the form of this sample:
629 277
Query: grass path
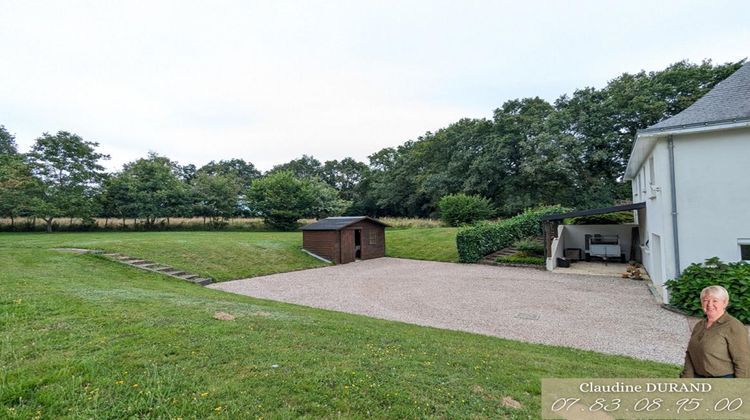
84 337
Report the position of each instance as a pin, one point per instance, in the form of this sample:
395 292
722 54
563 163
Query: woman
719 346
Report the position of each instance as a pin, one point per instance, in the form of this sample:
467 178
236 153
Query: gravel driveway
608 315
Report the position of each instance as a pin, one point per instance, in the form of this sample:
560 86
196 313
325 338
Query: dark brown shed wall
328 243
373 239
324 243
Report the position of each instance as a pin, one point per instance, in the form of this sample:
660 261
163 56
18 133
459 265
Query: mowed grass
432 244
220 255
234 255
84 337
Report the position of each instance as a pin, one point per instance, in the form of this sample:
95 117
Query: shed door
347 246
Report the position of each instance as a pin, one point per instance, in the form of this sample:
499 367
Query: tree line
572 152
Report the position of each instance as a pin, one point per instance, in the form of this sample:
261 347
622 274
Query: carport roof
591 212
338 223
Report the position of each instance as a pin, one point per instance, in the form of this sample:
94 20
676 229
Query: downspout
675 235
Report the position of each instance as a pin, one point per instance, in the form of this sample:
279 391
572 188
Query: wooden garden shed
345 239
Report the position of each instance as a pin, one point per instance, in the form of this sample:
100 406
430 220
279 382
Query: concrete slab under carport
596 268
604 314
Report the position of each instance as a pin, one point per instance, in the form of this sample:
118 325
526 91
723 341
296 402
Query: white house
692 171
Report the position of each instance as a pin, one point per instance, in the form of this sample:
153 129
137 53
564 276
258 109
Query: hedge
684 292
475 242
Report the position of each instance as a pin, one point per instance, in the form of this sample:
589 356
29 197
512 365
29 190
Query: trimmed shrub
475 242
462 209
684 292
603 219
520 259
530 246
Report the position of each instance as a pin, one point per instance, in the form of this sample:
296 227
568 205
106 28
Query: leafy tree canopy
69 170
216 196
7 142
243 171
151 188
571 152
304 167
283 198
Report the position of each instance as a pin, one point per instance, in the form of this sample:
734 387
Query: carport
574 242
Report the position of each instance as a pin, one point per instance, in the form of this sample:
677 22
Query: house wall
713 198
324 243
655 223
713 194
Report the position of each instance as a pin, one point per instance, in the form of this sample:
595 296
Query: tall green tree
19 190
345 176
243 172
216 196
115 200
69 170
7 143
151 188
282 198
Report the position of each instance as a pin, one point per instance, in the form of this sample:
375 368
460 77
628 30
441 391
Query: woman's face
713 306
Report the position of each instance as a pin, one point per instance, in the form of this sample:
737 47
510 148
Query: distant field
436 244
84 337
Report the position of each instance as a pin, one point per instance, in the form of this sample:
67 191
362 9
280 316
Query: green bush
475 242
462 209
603 219
530 246
684 292
520 259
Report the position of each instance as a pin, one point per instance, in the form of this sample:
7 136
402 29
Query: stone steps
158 268
491 258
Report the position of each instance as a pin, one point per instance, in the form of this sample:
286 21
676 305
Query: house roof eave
646 139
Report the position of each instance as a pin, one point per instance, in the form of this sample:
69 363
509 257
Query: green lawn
234 255
433 244
84 337
220 255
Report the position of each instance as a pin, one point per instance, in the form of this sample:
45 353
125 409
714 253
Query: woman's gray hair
717 291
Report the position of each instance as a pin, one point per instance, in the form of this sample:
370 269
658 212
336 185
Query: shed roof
728 101
338 223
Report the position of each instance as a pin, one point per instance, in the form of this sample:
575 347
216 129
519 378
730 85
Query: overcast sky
268 81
